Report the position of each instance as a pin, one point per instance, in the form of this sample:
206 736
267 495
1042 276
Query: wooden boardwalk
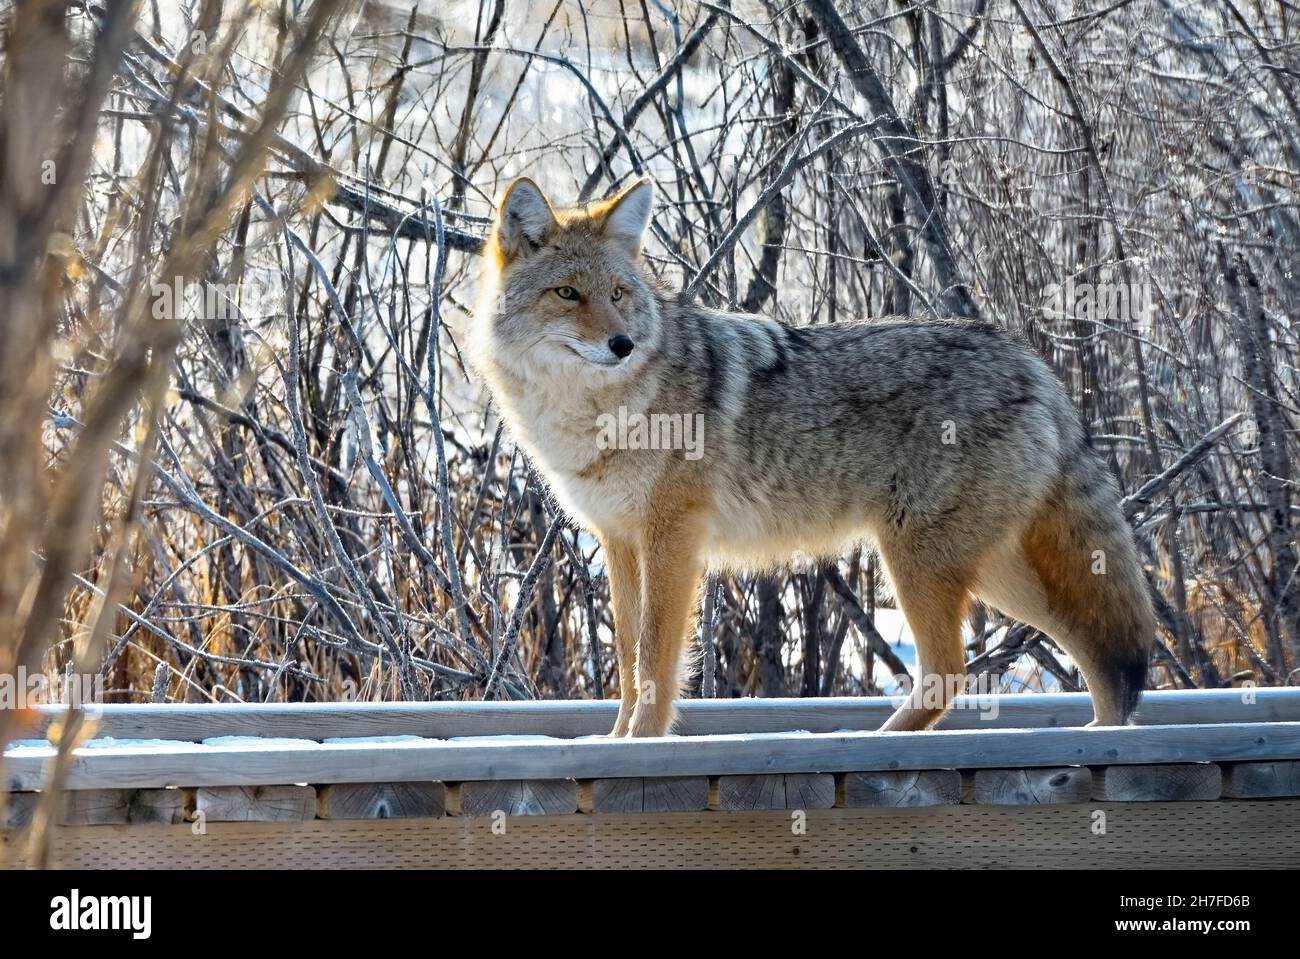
1205 778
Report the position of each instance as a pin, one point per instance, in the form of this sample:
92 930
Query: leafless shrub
293 491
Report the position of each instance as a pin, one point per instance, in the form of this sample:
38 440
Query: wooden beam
1231 834
106 807
902 789
124 767
1168 783
96 807
1261 780
19 809
675 794
615 795
381 800
781 791
570 718
161 806
255 803
520 797
747 792
809 791
1031 787
639 794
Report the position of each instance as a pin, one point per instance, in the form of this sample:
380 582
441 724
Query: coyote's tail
1082 550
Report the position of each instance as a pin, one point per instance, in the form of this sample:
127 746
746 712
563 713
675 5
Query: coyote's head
564 293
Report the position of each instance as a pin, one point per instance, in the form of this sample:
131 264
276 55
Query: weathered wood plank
1165 783
96 807
520 797
900 788
809 790
1031 787
675 794
267 803
105 807
779 791
638 794
160 806
1231 834
381 800
1261 780
748 792
19 809
124 767
698 717
612 795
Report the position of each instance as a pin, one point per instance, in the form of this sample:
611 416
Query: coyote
950 446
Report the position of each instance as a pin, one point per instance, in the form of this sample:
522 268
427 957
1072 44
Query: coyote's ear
628 215
523 218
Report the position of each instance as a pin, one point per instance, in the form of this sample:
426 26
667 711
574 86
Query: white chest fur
601 487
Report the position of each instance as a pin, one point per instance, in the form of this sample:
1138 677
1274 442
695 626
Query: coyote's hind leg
934 601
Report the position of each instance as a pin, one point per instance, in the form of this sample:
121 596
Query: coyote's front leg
671 571
623 564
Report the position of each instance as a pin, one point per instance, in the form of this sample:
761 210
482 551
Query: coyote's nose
620 345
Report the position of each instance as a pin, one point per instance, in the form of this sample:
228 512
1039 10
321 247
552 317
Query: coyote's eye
566 292
618 293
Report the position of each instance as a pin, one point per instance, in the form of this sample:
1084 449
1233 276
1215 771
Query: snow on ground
105 743
1024 675
108 742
